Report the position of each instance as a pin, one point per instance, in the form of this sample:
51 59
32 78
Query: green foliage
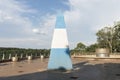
24 52
92 48
80 47
116 37
105 37
109 37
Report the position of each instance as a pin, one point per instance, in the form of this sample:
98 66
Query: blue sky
20 19
47 6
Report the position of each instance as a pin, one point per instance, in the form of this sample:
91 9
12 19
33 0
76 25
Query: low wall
115 56
94 56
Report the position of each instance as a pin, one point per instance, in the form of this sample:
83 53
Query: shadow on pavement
82 71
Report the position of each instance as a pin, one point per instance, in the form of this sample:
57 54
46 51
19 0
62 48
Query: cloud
16 27
86 17
38 31
97 12
47 23
11 16
23 42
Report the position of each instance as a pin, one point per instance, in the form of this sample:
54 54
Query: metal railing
8 57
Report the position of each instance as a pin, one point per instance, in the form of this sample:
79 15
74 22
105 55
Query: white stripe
60 39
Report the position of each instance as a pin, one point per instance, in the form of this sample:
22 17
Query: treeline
107 37
24 52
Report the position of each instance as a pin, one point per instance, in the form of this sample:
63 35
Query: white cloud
24 42
83 20
94 12
47 25
36 30
86 17
16 29
11 12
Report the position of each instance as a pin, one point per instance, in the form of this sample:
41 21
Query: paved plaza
83 69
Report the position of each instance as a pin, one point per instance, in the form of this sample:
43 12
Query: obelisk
60 54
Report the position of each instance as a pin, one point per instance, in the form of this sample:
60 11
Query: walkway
83 70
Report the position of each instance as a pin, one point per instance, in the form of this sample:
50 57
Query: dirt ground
83 69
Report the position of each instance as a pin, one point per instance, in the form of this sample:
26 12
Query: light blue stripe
60 23
60 59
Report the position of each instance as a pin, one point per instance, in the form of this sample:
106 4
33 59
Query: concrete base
14 59
29 57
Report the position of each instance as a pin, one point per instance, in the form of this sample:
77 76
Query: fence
8 57
114 55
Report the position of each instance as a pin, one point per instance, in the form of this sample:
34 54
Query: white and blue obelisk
60 54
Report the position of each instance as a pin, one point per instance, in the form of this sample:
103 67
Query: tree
105 37
116 37
80 47
92 47
24 52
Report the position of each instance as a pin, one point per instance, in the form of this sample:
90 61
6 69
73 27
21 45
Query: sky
30 23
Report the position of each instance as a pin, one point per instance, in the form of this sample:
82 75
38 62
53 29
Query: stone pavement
83 69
